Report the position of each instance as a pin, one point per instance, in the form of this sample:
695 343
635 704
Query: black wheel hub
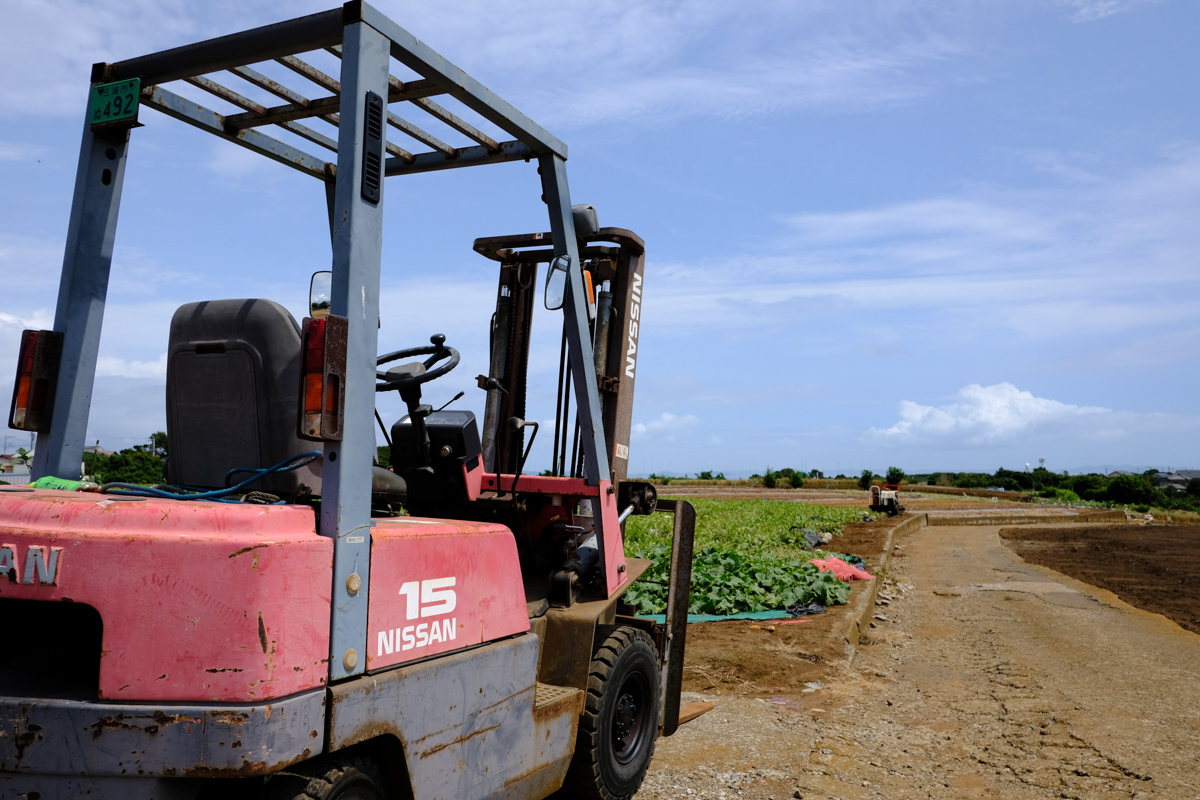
628 715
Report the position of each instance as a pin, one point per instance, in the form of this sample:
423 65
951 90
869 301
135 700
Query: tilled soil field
1152 567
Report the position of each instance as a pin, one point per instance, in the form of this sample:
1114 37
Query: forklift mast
614 261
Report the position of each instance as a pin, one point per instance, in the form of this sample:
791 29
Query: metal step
545 694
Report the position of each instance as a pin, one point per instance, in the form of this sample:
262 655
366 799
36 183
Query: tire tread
584 779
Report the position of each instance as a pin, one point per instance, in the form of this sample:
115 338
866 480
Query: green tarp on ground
661 619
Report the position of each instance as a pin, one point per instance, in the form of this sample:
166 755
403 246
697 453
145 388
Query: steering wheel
419 372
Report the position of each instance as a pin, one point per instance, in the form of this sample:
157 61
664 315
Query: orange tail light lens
323 374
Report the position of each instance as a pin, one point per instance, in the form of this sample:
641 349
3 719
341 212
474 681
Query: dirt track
989 677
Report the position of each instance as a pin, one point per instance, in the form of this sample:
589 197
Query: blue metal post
579 340
82 290
357 245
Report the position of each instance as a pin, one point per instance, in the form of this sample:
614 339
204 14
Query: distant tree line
1133 490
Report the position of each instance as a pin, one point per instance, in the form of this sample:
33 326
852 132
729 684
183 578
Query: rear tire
332 778
619 725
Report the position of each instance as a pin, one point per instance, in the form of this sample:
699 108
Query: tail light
37 376
323 379
591 294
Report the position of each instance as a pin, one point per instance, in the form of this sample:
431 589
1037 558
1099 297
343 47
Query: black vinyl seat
233 383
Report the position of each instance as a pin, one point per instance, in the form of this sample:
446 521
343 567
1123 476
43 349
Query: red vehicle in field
283 617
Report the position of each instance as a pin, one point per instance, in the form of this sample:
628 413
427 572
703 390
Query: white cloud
980 415
234 164
1088 10
665 428
1113 256
110 366
28 262
1000 417
21 151
38 320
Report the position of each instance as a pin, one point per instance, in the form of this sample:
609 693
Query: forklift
284 616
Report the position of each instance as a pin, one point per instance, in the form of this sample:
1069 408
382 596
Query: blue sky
949 235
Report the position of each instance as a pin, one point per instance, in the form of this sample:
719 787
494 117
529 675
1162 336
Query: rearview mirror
556 282
319 292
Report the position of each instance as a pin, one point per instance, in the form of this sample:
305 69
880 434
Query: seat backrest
233 382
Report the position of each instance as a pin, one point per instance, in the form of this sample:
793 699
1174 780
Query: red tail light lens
37 374
322 379
314 372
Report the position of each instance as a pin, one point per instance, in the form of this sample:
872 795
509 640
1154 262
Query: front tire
333 778
619 725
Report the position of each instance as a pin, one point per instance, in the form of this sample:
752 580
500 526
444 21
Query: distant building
13 472
11 462
1172 480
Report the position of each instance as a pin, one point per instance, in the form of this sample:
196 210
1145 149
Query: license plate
114 102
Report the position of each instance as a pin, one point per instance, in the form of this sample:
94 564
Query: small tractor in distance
283 617
886 499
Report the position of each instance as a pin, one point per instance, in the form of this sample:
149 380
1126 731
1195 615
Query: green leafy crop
747 558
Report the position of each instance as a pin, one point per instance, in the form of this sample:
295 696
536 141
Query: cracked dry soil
989 677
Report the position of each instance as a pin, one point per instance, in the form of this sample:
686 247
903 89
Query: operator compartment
140 599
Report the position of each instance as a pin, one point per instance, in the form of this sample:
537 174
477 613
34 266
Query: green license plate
114 102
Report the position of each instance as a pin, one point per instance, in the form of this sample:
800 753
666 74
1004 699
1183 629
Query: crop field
750 556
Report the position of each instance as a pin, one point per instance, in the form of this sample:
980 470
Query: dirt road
988 678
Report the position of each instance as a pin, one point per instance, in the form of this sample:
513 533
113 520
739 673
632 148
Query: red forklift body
289 610
200 601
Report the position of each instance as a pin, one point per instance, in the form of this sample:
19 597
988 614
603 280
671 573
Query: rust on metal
421 136
567 650
228 95
312 73
465 737
247 769
257 110
570 703
459 125
262 633
274 87
206 119
245 550
284 113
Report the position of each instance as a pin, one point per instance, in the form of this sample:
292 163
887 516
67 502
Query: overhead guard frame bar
325 30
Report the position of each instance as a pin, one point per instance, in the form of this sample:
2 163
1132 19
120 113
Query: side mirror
320 290
556 282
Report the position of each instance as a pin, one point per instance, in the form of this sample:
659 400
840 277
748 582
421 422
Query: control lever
487 384
451 400
516 424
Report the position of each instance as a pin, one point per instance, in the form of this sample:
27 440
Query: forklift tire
328 778
620 719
